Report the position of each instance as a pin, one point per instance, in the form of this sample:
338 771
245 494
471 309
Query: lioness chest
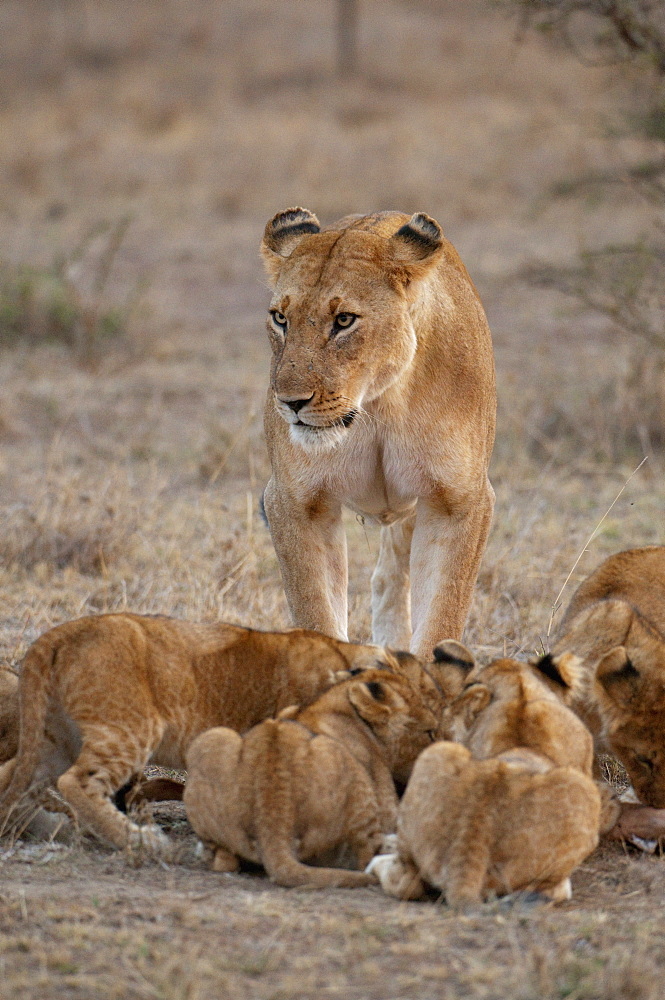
380 479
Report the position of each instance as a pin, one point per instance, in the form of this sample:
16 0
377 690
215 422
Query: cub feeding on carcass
510 823
102 696
523 813
616 623
313 780
511 704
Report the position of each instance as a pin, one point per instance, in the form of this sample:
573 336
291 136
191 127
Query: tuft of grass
64 526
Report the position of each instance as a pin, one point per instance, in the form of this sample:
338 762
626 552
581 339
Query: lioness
382 399
473 827
616 624
101 696
309 782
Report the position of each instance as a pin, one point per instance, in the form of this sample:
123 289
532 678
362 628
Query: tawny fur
616 624
523 813
510 704
394 417
102 696
304 785
474 827
9 721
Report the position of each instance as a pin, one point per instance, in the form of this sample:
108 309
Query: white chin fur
317 440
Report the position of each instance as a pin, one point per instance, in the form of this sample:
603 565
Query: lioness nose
296 404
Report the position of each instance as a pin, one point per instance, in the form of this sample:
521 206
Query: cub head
394 712
339 322
511 704
437 681
629 687
452 667
9 714
461 714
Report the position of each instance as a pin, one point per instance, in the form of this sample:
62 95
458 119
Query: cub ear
368 697
617 676
289 712
451 666
563 671
417 245
283 234
471 703
453 652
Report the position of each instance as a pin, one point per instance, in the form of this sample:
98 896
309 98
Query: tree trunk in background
347 28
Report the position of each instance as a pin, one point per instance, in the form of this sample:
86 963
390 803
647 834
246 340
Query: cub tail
470 851
276 822
16 775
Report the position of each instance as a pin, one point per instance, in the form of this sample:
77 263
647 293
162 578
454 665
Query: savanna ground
142 148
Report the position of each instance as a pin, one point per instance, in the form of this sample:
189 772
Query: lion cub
510 704
101 696
474 827
515 808
315 779
616 624
9 724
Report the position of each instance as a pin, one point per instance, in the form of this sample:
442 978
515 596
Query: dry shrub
67 302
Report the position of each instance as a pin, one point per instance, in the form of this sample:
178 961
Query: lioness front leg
391 594
310 543
446 550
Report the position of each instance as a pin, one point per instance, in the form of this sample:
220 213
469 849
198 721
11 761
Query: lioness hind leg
445 557
391 591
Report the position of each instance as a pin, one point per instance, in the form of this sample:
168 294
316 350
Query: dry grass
134 481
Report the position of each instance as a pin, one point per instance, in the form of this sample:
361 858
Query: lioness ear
451 666
563 671
417 245
617 676
283 234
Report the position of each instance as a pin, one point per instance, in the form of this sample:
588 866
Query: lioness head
339 322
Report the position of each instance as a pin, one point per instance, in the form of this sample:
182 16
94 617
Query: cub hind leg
108 760
211 797
398 876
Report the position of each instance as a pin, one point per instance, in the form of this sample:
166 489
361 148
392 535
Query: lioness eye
344 320
278 318
644 761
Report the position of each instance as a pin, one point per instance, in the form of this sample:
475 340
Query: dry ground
130 475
